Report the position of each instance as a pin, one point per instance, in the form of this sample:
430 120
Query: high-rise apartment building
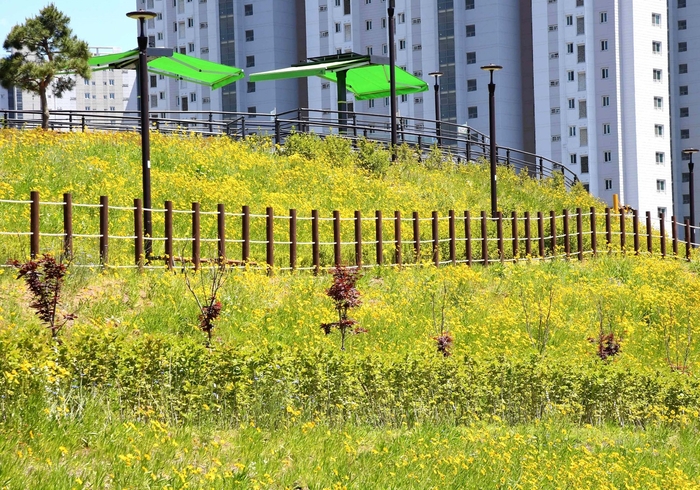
605 87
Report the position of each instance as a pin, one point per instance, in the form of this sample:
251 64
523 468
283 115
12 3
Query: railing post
579 233
540 233
484 239
358 238
453 238
623 230
336 239
211 126
650 238
514 234
674 235
196 236
278 136
528 235
553 229
221 233
104 230
68 226
635 229
608 229
138 233
687 239
662 231
270 238
436 238
34 224
468 237
169 234
293 239
499 231
398 246
416 237
567 245
594 236
508 157
380 237
245 225
82 123
315 243
541 169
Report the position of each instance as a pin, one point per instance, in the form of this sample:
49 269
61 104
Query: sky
100 23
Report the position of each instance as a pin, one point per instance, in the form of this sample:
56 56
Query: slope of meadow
132 398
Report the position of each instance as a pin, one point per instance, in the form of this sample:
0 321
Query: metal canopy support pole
392 78
341 77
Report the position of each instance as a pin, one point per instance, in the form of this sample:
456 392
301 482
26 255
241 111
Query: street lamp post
437 74
691 189
492 135
142 15
392 77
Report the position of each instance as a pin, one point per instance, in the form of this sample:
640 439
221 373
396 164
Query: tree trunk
44 108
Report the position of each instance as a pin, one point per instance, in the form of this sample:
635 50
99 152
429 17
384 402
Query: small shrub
345 296
206 298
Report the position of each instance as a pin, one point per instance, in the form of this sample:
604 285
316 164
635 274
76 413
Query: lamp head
491 67
690 151
141 14
435 74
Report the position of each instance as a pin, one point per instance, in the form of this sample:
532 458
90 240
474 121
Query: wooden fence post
453 238
687 239
68 226
436 238
484 239
540 233
674 235
650 238
169 234
514 234
553 229
499 233
221 233
104 230
567 245
468 237
608 229
398 246
380 237
635 230
34 225
293 239
196 236
245 231
315 242
337 260
139 257
358 238
594 232
528 235
579 233
623 230
270 238
662 230
416 236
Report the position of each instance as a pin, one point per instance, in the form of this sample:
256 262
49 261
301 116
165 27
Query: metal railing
458 142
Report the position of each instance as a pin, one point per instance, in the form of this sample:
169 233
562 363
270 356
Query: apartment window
370 103
416 100
251 87
656 19
584 164
682 47
685 134
250 35
657 75
204 50
248 9
686 198
582 109
471 85
606 100
347 32
203 25
570 76
404 98
572 130
417 47
603 17
569 20
682 25
190 47
174 26
570 48
556 137
154 100
660 185
190 22
471 30
249 61
402 44
658 103
579 3
337 27
606 128
471 57
685 177
553 56
469 4
325 85
662 211
552 27
604 73
473 112
385 49
580 26
159 36
193 97
370 50
607 156
604 45
685 157
554 110
368 25
659 129
415 20
682 68
581 53
159 16
583 138
154 81
572 159
581 81
681 4
572 104
685 112
554 83
161 95
87 95
683 90
656 47
383 22
418 73
346 7
401 17
608 184
660 157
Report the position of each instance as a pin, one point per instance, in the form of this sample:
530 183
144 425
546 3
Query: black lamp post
142 15
392 78
437 74
492 135
691 189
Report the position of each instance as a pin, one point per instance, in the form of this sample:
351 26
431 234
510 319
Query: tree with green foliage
44 55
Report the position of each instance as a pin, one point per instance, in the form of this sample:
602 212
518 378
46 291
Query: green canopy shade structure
163 61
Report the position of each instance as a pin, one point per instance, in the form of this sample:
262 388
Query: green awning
364 79
165 62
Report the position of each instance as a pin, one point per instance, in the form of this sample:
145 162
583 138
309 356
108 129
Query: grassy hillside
130 397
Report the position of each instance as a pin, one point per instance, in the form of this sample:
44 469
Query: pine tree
44 55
